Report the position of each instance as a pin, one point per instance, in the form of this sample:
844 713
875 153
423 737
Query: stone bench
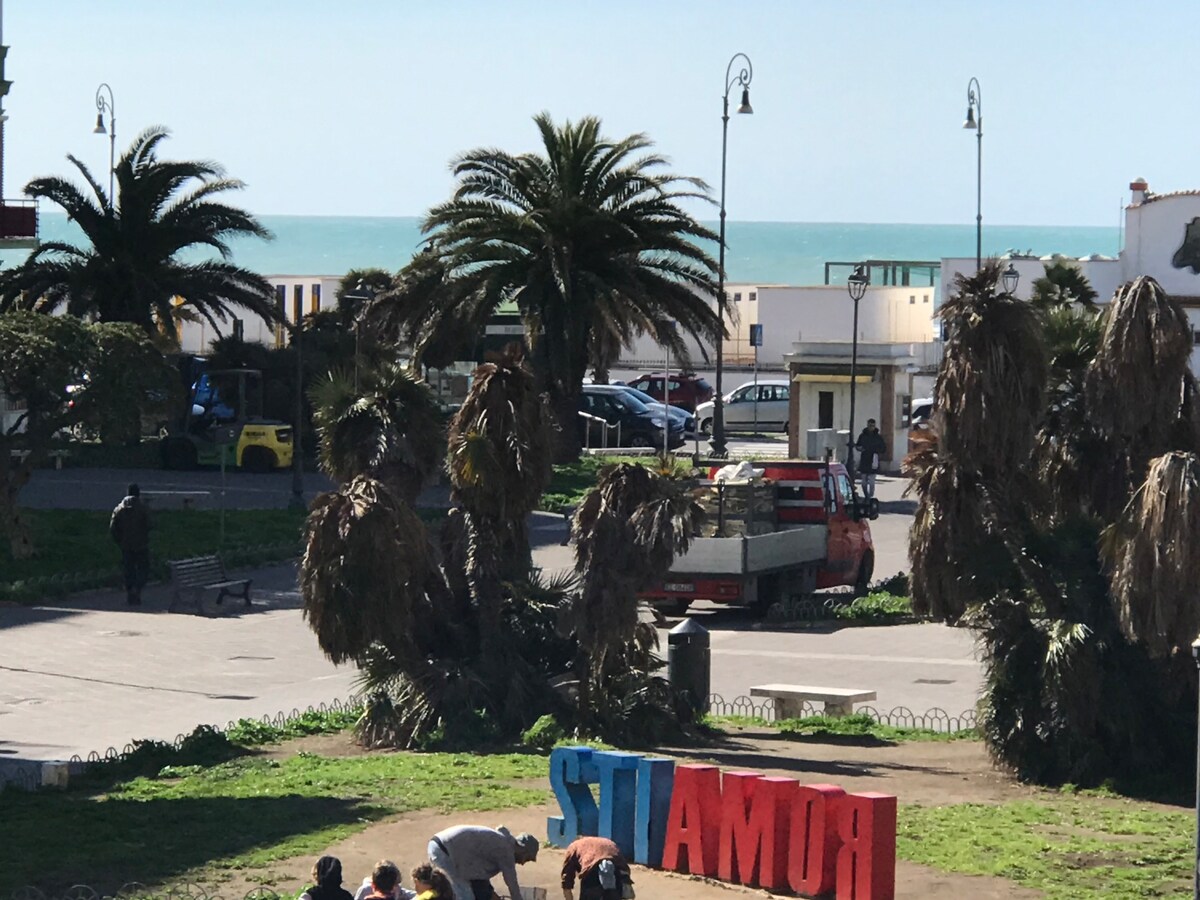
790 698
204 573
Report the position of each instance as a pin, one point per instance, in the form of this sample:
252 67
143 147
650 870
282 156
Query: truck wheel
178 453
770 592
862 585
258 460
640 440
706 426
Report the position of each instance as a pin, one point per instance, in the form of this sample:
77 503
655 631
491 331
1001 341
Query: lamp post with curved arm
107 104
856 284
742 77
975 120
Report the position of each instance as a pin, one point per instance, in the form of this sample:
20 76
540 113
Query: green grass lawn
1065 846
75 545
192 823
858 728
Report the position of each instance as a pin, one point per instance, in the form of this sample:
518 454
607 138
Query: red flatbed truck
817 535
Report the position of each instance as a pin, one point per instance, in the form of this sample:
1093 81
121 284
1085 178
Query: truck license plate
679 587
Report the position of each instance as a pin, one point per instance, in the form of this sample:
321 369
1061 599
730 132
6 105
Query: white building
295 296
1161 239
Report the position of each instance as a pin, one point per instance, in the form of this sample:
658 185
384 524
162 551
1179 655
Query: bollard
689 663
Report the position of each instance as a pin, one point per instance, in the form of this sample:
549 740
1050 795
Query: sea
757 252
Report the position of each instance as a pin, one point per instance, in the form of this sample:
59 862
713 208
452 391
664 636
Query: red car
684 389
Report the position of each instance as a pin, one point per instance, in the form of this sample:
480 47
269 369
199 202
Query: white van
768 400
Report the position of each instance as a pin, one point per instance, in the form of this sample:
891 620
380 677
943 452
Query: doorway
825 409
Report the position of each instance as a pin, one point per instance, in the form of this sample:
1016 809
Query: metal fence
935 719
28 774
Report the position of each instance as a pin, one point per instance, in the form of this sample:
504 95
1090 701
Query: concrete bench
204 573
789 698
57 455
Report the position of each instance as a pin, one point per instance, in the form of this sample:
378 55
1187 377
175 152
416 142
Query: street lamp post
107 104
297 501
742 77
1010 277
975 120
856 284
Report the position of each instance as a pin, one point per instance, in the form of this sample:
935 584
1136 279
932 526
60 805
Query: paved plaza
90 673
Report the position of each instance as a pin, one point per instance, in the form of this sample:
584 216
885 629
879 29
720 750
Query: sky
357 107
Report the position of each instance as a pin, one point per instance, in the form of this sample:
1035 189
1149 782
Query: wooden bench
204 573
789 698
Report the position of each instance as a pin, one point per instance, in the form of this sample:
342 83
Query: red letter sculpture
866 867
755 815
813 840
695 821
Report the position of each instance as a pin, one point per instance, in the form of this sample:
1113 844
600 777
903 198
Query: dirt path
924 773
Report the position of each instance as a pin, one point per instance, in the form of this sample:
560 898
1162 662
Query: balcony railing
18 220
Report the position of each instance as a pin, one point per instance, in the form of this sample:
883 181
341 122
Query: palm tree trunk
567 439
13 477
483 577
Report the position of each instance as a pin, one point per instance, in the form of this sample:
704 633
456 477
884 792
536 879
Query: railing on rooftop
18 220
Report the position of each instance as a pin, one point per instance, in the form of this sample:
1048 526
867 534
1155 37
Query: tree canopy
588 241
139 264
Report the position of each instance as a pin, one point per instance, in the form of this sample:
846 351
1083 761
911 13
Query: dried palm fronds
990 387
1154 557
365 564
1138 384
627 531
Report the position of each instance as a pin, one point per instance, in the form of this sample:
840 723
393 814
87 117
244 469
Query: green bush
876 607
543 734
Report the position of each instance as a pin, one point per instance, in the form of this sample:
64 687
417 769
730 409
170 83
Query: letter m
755 817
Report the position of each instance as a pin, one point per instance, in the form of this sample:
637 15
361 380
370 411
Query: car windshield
641 395
630 402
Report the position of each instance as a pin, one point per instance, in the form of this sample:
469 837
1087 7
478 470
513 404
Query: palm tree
387 425
627 531
1063 285
585 239
132 270
499 464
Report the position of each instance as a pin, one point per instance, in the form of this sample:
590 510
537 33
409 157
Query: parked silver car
769 400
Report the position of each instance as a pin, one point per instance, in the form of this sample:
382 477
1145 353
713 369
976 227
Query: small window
673 385
845 490
1196 337
737 297
753 296
924 298
912 299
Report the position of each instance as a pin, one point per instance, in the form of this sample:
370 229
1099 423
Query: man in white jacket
473 855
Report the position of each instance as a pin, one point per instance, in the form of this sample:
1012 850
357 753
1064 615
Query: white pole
667 405
756 390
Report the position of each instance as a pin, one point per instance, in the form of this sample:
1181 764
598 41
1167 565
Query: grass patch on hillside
192 823
1066 847
858 728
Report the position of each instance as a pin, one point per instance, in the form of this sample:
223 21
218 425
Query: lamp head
970 122
99 129
857 283
1010 277
745 109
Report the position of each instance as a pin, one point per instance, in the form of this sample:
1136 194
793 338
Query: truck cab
799 528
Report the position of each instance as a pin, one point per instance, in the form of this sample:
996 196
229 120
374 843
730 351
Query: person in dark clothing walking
130 528
602 871
872 446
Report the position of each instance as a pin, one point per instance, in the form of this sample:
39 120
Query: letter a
694 823
866 866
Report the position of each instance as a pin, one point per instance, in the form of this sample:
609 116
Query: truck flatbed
753 554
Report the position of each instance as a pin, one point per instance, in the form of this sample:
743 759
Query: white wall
1154 230
197 337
